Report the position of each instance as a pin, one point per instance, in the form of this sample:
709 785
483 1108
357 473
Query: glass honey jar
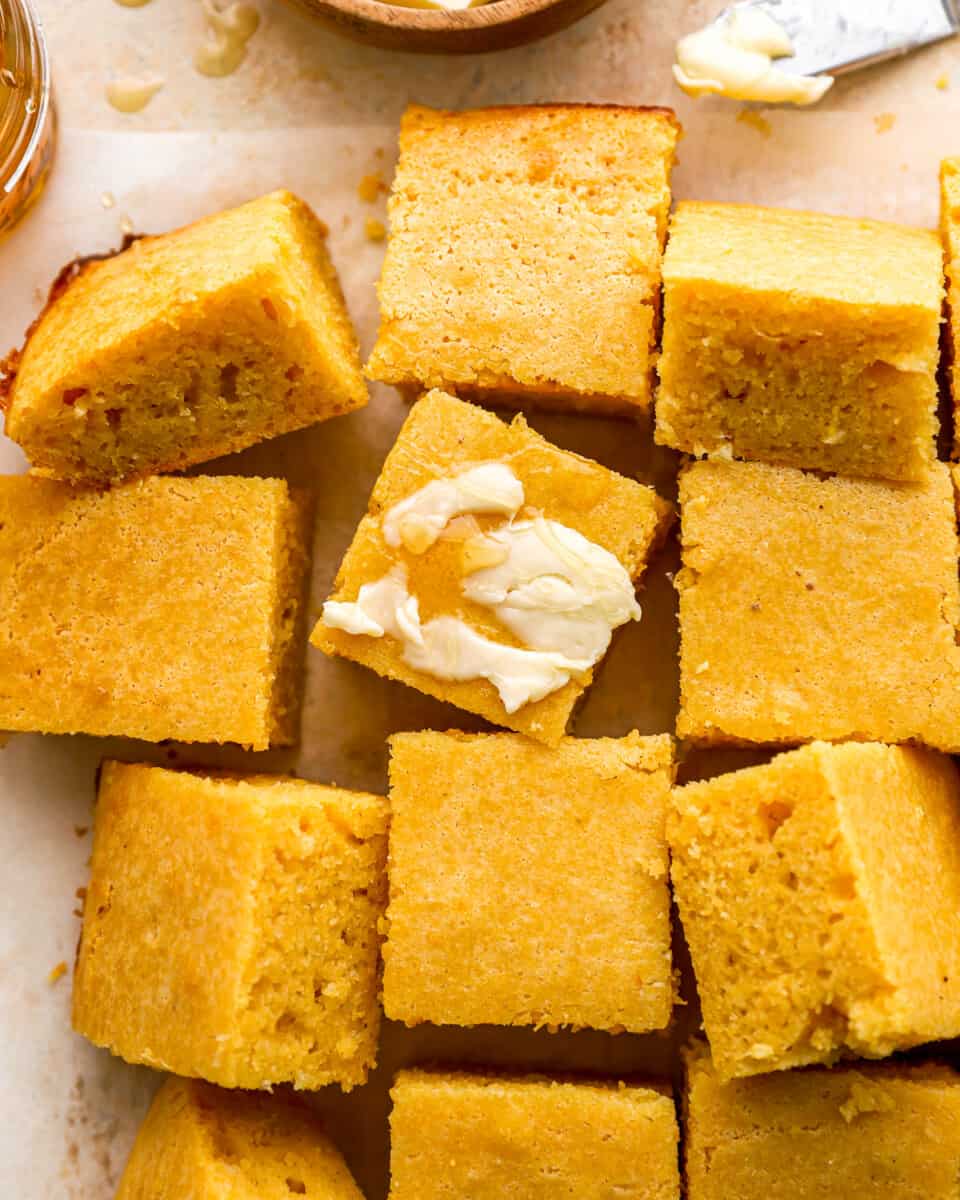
27 119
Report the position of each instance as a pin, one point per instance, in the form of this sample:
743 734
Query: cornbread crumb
818 895
371 187
441 436
885 121
201 1142
524 256
57 973
510 832
488 1137
750 116
943 83
875 1131
173 352
825 607
165 608
230 931
801 339
375 230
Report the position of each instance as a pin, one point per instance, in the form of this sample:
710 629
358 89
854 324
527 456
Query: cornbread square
524 257
880 1132
801 339
528 885
230 927
479 1137
201 1142
950 230
819 897
817 608
441 436
166 608
186 346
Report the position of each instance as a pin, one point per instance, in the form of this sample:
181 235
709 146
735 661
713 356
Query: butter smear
734 56
557 592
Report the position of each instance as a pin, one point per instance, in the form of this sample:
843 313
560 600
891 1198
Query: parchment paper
69 1111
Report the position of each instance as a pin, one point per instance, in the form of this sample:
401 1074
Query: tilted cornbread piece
230 927
801 339
491 568
524 255
819 898
166 608
817 608
873 1131
528 885
481 1137
950 230
200 1142
186 346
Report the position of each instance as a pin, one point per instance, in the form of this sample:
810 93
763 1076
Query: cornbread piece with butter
878 1132
950 230
818 896
491 568
801 339
201 1142
523 264
185 347
817 608
230 927
528 884
482 1137
166 608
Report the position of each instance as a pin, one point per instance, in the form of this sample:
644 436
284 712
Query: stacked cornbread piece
248 931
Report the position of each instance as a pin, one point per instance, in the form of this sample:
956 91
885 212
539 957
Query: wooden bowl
491 26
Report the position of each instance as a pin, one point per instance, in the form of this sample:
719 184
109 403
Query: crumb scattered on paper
57 972
943 83
126 225
885 121
750 116
370 187
81 830
107 199
375 230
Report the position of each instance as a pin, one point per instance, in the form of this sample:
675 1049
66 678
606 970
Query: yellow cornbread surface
802 339
187 346
442 436
476 1137
950 231
206 1144
817 608
524 253
528 885
167 608
874 1132
819 898
230 927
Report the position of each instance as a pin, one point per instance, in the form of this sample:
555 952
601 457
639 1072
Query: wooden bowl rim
401 16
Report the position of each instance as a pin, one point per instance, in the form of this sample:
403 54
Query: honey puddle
230 29
131 93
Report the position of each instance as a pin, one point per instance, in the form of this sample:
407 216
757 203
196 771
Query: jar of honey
27 119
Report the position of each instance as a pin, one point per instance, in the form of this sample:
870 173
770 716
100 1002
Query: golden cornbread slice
206 1144
817 608
524 257
802 339
819 897
186 346
528 885
441 436
950 231
230 927
886 1131
458 1136
166 608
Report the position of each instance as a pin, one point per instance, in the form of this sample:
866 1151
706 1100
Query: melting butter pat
416 522
734 56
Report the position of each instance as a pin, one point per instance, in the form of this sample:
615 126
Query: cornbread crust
166 608
818 896
950 232
455 1135
528 886
524 256
817 607
230 927
801 339
201 1142
170 352
876 1131
443 435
